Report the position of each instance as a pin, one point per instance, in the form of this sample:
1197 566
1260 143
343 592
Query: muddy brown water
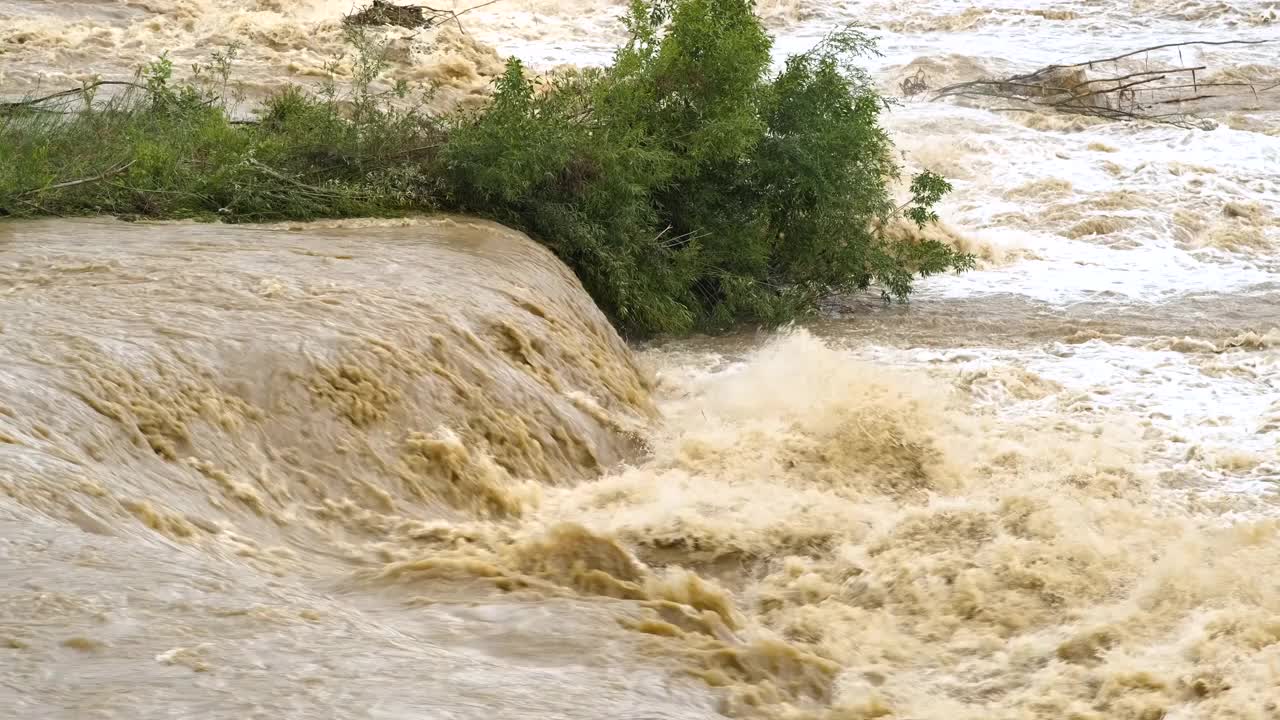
405 469
253 471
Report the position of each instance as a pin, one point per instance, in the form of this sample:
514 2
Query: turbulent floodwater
405 469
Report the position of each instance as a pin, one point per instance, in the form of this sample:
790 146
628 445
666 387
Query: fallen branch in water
1124 95
383 12
87 89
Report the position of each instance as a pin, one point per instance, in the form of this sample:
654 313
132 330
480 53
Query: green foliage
688 187
174 150
926 190
685 184
535 161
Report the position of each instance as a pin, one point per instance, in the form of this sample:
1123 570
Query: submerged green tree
688 186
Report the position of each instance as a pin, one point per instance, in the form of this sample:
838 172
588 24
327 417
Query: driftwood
1158 94
383 12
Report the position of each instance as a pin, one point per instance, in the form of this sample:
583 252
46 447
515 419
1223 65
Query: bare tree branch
1188 43
1123 96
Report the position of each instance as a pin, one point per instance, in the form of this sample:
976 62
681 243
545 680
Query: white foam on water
1064 525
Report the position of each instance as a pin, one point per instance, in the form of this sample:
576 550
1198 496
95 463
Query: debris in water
1142 91
382 12
915 84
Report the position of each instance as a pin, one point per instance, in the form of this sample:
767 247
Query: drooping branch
116 170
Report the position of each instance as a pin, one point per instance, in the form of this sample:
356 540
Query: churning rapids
405 469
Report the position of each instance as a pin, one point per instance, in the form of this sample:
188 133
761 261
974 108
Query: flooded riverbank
400 469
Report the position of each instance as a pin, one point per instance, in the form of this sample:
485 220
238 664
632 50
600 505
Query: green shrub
173 150
685 184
